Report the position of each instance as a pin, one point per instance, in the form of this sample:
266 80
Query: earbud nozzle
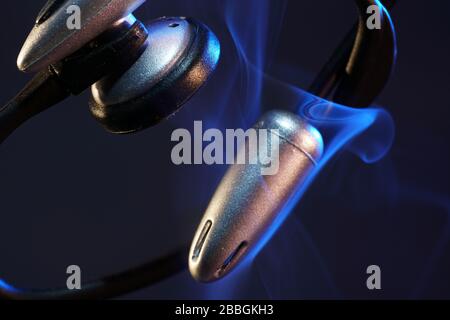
51 40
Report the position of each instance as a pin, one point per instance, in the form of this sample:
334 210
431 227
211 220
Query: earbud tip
51 39
181 55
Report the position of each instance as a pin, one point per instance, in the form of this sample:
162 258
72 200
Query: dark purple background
73 194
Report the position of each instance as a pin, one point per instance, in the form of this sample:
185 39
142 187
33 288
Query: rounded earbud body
180 56
246 203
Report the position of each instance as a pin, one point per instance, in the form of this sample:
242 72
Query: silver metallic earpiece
139 76
181 54
246 203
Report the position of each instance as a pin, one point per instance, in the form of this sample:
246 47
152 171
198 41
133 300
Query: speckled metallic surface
181 55
51 40
246 203
167 43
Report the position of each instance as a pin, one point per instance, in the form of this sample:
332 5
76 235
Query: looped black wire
108 287
45 90
42 92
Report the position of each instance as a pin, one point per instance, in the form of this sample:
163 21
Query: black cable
42 92
111 286
333 72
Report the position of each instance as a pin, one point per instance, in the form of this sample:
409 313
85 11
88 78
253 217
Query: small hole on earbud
201 240
174 25
232 258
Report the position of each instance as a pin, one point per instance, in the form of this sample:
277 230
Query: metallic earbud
246 203
114 50
145 76
51 40
181 54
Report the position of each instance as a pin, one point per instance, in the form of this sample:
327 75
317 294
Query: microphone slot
233 257
201 240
